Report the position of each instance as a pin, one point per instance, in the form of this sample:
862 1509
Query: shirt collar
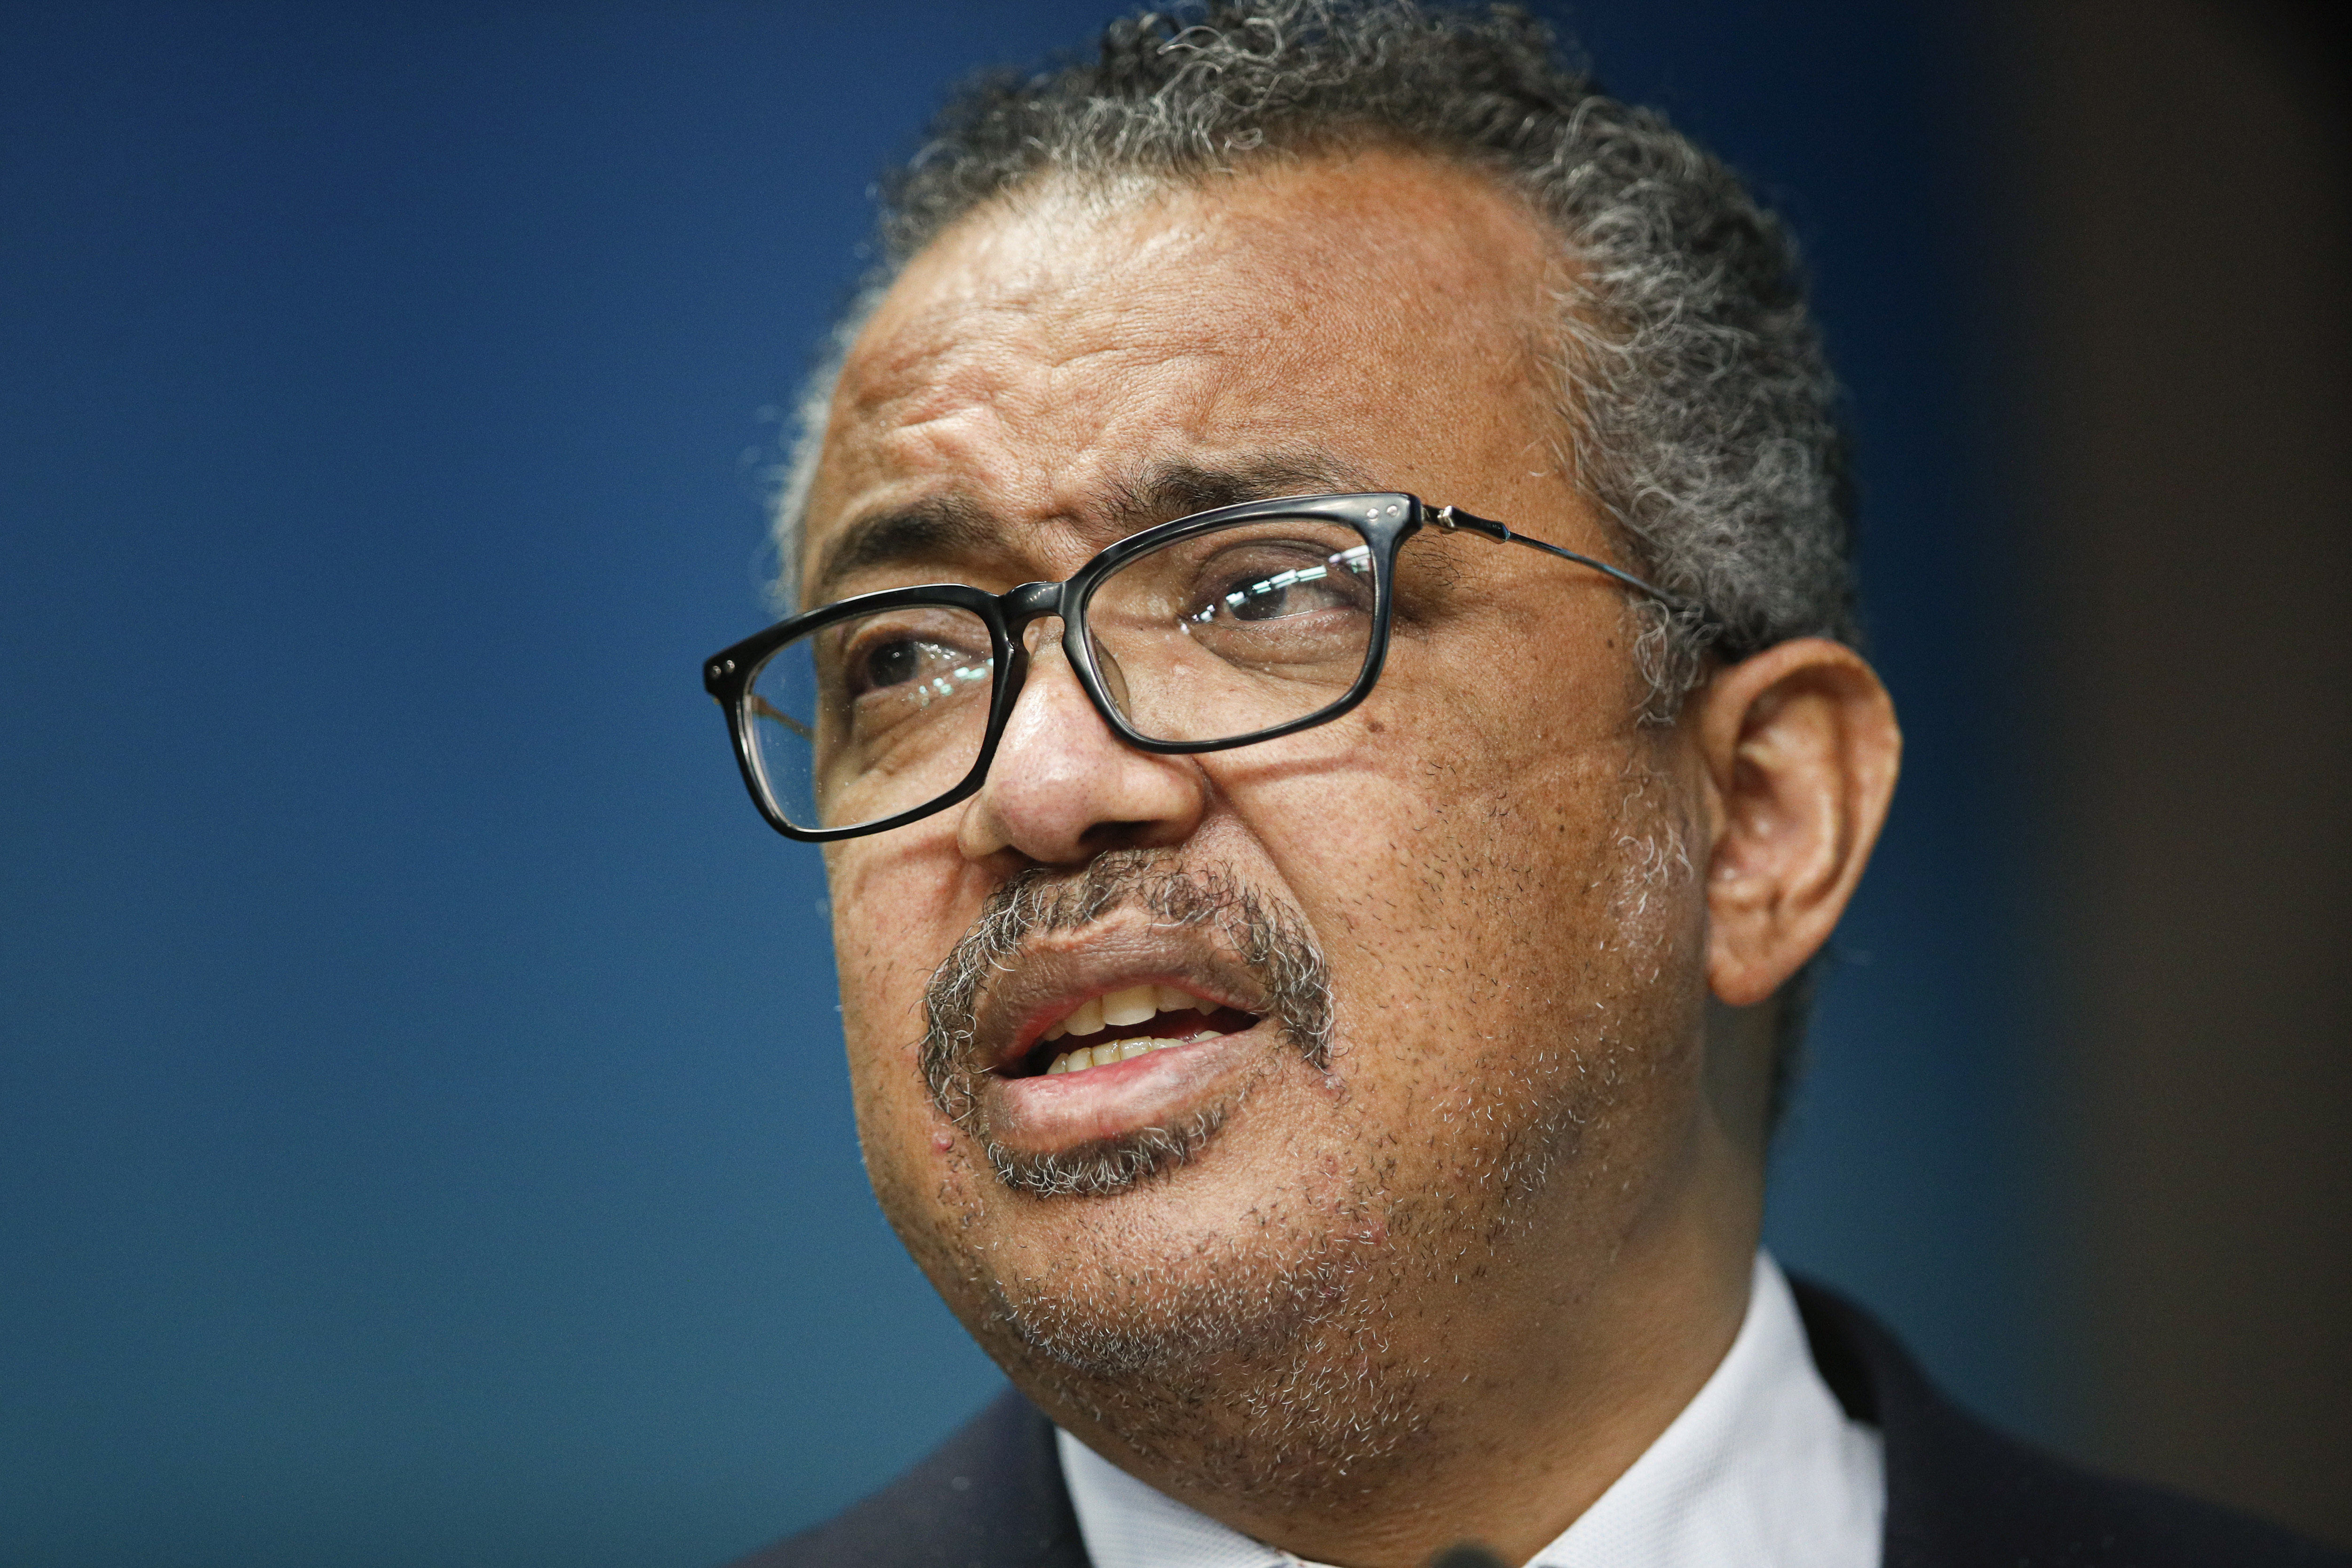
1761 1467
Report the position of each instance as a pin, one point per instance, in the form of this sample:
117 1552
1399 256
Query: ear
1800 750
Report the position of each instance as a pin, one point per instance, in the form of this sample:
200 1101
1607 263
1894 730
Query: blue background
423 1131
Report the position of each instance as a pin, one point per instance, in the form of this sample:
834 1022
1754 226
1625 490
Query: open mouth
1120 1026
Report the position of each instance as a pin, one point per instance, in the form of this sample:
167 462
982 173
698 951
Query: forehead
1377 320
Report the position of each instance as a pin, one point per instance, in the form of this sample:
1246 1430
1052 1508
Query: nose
1063 788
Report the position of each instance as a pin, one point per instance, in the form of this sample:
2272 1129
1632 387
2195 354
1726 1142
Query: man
1318 966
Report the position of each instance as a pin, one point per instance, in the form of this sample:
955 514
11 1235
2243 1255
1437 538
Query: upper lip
1054 977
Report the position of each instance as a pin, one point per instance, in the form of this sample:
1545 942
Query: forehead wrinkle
967 397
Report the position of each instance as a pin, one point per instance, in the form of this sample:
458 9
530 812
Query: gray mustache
1271 940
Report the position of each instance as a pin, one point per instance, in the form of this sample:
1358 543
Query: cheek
1460 870
898 907
1413 825
894 915
898 1127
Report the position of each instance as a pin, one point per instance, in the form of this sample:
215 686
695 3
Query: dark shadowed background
424 1137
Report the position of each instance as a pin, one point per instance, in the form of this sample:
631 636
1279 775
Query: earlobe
1801 749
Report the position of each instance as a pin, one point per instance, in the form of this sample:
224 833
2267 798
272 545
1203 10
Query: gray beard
1294 1312
1261 1366
1272 1379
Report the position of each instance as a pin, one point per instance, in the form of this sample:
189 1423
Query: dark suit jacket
1957 1493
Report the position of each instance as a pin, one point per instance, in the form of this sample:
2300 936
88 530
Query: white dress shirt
1761 1469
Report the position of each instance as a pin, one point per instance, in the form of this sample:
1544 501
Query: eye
895 660
894 663
1248 590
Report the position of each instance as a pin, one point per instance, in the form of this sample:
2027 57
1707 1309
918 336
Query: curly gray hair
1697 408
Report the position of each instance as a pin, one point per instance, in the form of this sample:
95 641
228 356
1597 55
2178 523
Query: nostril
1106 836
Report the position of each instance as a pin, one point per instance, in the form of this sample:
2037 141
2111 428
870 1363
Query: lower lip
1044 1113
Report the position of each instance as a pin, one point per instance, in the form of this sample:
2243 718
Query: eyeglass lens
1209 637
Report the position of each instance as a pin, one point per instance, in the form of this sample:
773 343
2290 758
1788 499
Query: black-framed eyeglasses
1221 629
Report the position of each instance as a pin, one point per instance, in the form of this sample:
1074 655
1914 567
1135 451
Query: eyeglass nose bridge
1029 603
1018 610
1023 607
1098 676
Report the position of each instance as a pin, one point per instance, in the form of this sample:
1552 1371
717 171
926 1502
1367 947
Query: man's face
1479 877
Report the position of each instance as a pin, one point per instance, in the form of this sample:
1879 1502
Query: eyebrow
952 526
935 528
1173 490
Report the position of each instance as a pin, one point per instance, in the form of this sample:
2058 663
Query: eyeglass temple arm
760 708
1453 518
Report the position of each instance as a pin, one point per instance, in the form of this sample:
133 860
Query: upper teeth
1119 1009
